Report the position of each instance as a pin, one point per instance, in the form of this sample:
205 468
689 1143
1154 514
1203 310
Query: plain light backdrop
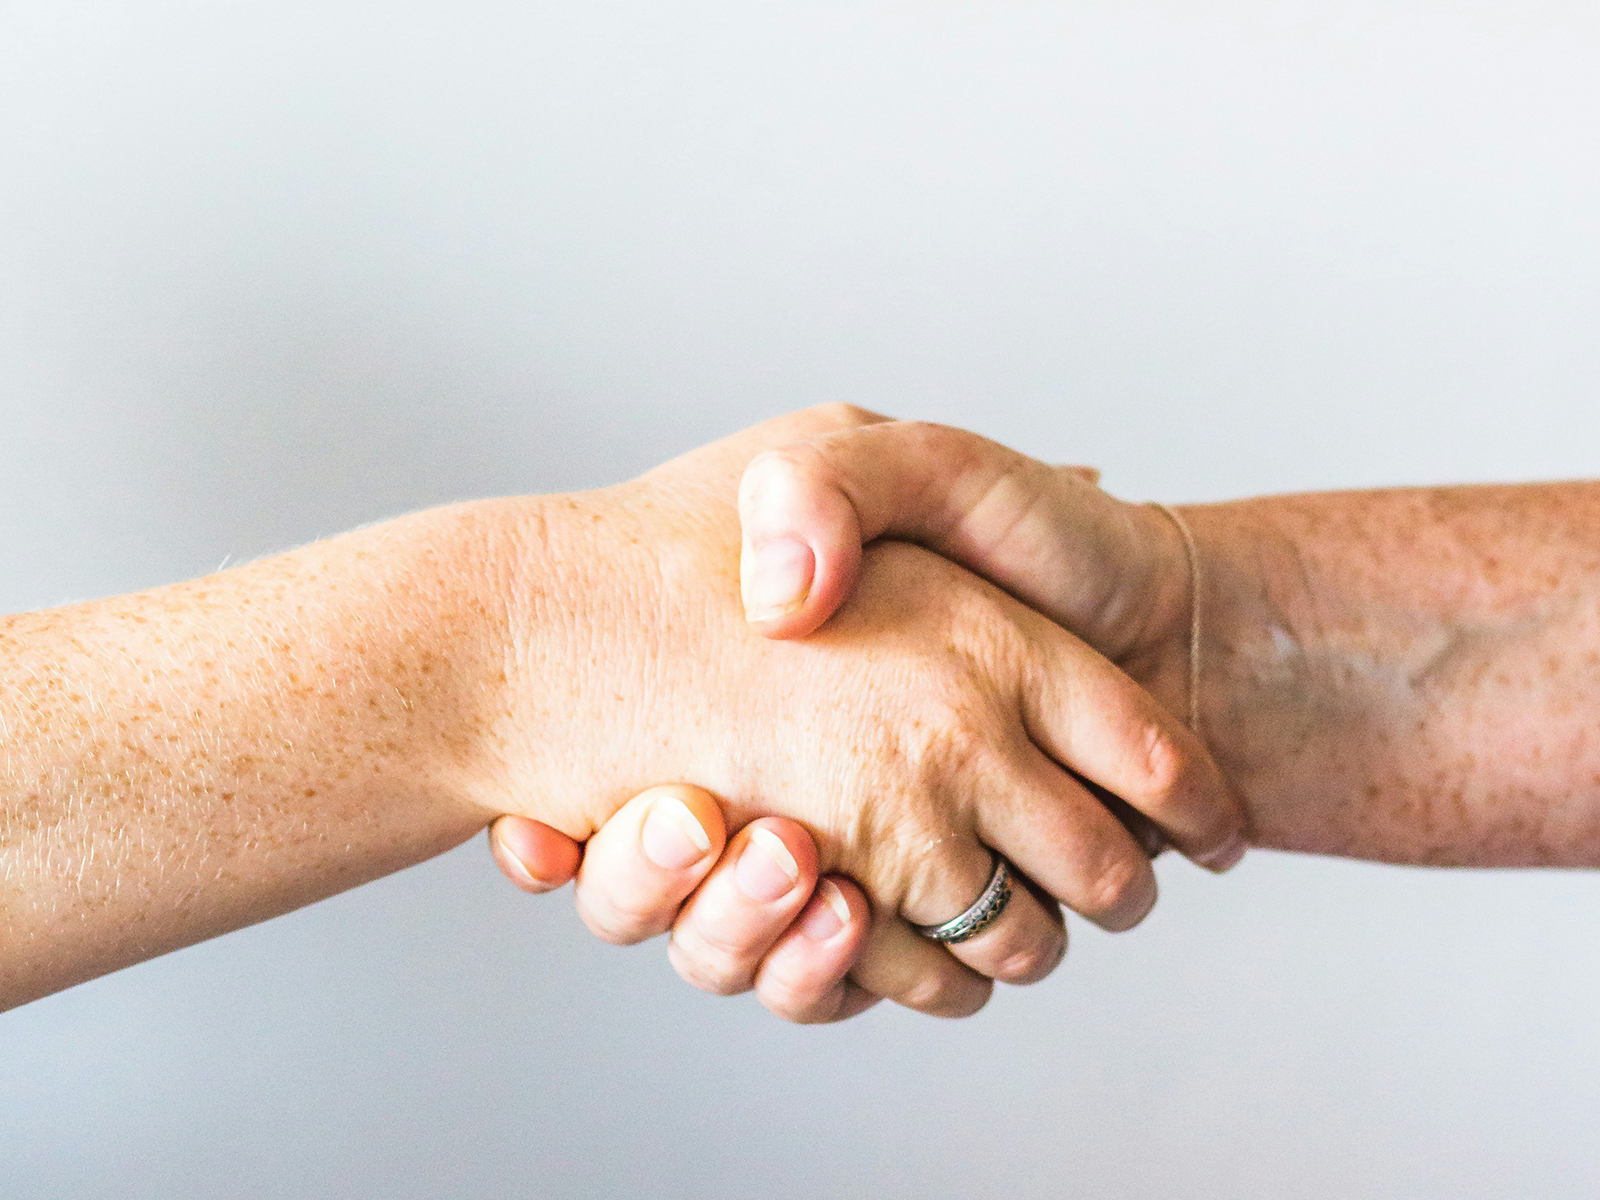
268 271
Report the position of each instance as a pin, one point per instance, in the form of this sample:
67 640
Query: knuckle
794 1004
823 1012
1032 964
1115 892
953 735
771 479
618 922
762 471
718 978
944 996
711 967
841 414
611 927
1166 764
956 745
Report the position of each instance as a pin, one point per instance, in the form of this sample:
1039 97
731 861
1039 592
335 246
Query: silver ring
989 905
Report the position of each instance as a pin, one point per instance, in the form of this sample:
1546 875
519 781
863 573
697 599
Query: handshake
926 748
936 689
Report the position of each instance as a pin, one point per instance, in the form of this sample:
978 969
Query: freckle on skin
1487 743
202 746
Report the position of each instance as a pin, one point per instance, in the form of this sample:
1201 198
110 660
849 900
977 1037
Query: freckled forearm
1410 675
189 760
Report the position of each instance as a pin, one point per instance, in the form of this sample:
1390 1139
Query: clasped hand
877 724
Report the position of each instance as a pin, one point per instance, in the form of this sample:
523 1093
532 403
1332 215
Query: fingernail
826 914
672 838
518 867
779 579
766 870
1226 856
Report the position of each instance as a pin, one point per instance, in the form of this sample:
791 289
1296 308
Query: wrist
1159 655
1205 565
604 598
425 602
1253 669
521 573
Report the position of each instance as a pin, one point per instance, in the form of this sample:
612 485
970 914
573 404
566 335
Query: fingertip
796 841
836 909
805 978
681 825
641 864
532 855
826 914
1229 850
1133 903
1225 857
706 808
801 542
957 1005
1223 844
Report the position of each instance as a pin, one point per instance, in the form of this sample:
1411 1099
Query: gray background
271 270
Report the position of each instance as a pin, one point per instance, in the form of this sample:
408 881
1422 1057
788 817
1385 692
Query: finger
1026 940
1023 944
1087 715
1140 827
532 855
805 977
1045 534
643 862
752 895
1061 837
900 964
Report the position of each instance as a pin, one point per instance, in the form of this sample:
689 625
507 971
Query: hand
1092 831
1115 574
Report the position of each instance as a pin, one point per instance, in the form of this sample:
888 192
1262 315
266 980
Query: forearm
193 759
1409 675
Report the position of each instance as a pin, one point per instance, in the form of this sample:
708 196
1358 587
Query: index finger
1082 711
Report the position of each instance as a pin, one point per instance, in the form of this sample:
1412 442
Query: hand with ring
1023 786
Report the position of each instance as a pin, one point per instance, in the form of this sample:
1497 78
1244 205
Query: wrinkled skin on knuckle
943 996
783 1000
710 972
1166 765
1028 966
905 830
612 925
1114 885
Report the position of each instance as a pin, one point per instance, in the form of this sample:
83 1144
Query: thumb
1045 534
800 541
